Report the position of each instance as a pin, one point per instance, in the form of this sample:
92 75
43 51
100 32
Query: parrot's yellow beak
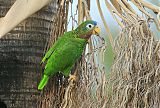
96 31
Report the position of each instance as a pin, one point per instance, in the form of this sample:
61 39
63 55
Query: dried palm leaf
20 10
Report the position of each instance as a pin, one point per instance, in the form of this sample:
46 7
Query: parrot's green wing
57 44
51 50
65 55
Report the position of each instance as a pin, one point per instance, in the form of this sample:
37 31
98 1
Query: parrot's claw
72 78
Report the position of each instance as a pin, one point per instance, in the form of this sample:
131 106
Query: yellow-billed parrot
69 47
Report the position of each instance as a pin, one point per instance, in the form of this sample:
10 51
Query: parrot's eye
89 26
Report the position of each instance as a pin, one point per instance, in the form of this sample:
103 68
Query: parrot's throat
85 36
82 35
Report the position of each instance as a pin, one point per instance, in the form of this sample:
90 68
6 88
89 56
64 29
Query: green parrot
69 47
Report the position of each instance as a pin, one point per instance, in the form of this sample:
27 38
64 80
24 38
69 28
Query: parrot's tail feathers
43 82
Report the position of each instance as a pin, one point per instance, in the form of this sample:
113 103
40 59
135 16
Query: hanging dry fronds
104 22
135 73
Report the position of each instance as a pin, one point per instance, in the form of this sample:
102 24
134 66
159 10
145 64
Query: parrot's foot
72 78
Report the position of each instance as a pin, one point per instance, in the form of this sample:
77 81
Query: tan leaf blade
19 11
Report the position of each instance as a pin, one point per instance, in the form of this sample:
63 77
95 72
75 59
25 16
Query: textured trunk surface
20 53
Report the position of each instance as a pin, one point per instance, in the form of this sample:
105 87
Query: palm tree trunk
20 53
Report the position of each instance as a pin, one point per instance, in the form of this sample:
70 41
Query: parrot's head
87 28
